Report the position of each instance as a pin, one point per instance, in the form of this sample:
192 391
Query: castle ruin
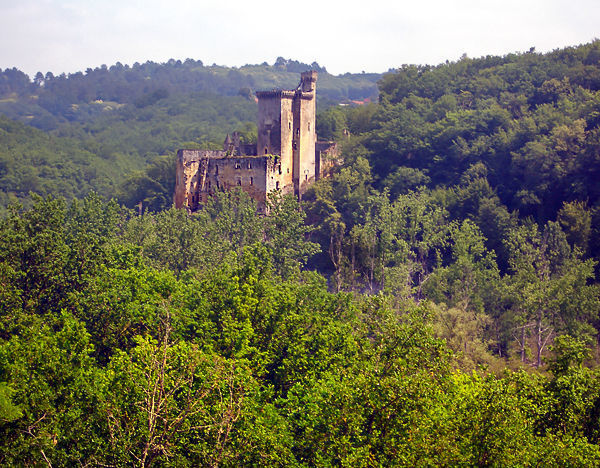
287 156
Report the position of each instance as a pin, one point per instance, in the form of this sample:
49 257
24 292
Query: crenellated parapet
275 94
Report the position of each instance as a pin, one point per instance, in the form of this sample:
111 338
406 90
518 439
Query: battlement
275 93
308 80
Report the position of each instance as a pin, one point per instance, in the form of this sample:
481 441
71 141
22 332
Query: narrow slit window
251 180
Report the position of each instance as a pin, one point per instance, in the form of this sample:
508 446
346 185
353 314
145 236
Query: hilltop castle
287 156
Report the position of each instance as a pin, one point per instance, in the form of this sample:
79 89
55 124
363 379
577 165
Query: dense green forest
434 302
177 340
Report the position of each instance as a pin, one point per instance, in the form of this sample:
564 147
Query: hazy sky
342 35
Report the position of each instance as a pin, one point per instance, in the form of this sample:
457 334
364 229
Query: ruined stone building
287 156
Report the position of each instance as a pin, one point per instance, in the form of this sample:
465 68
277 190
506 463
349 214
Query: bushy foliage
177 340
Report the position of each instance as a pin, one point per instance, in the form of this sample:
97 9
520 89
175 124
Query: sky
342 35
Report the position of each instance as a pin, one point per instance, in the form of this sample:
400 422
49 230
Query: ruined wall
200 173
327 156
286 157
189 168
247 173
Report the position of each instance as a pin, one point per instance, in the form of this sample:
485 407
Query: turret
308 80
227 143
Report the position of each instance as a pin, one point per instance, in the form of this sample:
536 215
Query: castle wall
286 157
287 134
200 173
188 174
308 140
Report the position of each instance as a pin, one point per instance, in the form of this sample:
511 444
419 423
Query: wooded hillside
435 302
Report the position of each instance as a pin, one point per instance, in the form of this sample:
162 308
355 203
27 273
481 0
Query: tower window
249 165
298 132
239 181
266 150
309 126
251 180
277 185
216 169
237 164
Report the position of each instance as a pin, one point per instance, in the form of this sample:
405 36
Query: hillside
435 302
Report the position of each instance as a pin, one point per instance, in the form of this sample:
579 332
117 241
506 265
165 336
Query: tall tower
305 135
286 129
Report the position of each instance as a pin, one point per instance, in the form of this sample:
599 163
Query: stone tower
286 128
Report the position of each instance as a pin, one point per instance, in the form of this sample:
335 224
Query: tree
549 286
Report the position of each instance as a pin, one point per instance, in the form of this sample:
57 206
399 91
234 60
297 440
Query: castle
287 156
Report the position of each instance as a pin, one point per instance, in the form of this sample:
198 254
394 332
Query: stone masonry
287 156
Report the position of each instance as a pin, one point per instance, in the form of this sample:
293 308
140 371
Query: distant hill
47 100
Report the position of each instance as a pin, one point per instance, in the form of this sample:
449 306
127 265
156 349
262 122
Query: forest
434 302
